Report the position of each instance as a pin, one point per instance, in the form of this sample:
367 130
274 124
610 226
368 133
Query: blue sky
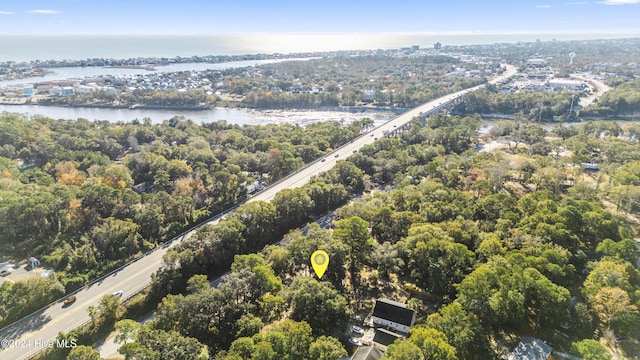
323 16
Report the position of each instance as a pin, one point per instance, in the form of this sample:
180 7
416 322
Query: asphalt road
29 336
597 88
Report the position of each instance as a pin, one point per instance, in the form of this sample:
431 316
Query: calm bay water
78 47
232 116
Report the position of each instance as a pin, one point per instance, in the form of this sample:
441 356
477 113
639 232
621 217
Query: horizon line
297 33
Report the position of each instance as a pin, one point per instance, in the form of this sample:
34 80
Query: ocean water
78 47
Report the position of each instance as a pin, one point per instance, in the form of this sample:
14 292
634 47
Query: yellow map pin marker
320 262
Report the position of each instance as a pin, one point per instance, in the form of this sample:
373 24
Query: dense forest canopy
85 197
497 241
485 246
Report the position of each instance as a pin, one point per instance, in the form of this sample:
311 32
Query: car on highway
323 160
70 300
355 342
371 134
117 293
336 155
357 330
355 150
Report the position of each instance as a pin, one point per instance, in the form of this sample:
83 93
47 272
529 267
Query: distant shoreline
348 109
137 67
80 48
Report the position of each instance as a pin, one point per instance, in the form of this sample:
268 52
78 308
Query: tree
117 176
347 174
463 330
326 196
293 206
391 226
162 345
432 344
354 232
260 221
590 349
404 350
606 273
127 330
242 347
614 309
248 325
108 308
264 351
510 294
301 248
22 297
178 169
83 352
565 132
272 307
93 314
490 247
438 264
318 304
197 283
326 348
625 249
66 173
115 239
387 258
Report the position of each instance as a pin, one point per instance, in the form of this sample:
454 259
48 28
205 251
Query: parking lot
19 272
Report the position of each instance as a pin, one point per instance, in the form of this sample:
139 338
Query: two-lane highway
28 336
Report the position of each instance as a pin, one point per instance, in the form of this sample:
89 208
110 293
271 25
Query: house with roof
531 349
393 315
367 353
383 338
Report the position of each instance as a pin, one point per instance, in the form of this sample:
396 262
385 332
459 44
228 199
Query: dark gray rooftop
393 311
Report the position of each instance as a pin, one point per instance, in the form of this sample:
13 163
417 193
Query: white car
357 330
355 342
117 293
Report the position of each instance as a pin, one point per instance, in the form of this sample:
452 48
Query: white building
573 85
393 315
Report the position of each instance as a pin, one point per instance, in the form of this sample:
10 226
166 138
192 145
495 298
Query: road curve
32 334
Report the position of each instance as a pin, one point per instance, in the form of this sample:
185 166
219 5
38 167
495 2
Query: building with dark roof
367 353
531 349
383 338
393 315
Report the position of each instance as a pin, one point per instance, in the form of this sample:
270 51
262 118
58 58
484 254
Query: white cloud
6 13
619 2
43 12
543 6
